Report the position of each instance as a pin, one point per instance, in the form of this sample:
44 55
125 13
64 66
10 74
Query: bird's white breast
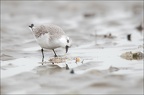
43 41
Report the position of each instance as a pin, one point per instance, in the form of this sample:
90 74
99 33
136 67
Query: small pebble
133 56
72 71
89 15
139 28
77 59
129 37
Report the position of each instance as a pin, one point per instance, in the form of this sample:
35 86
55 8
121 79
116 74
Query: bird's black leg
42 54
54 53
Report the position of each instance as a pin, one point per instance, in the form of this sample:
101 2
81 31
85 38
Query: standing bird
50 37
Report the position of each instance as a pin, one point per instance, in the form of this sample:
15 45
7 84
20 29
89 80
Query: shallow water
99 32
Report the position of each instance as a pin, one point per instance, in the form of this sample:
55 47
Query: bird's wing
54 30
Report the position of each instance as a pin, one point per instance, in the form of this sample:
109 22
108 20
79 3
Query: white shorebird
50 37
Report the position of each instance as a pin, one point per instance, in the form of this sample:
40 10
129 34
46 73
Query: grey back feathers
50 29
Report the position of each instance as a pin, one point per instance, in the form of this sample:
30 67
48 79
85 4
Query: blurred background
90 24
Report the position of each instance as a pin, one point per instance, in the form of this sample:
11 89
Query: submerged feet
55 55
42 54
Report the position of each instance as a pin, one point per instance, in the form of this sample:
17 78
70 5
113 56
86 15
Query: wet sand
99 32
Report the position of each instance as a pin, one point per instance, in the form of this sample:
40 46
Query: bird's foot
55 56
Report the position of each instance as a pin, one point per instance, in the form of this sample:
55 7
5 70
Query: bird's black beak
67 47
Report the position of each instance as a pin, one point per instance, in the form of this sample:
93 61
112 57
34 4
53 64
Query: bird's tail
31 26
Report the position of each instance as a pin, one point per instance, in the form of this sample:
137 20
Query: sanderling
50 37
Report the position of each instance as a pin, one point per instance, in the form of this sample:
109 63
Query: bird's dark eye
67 41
